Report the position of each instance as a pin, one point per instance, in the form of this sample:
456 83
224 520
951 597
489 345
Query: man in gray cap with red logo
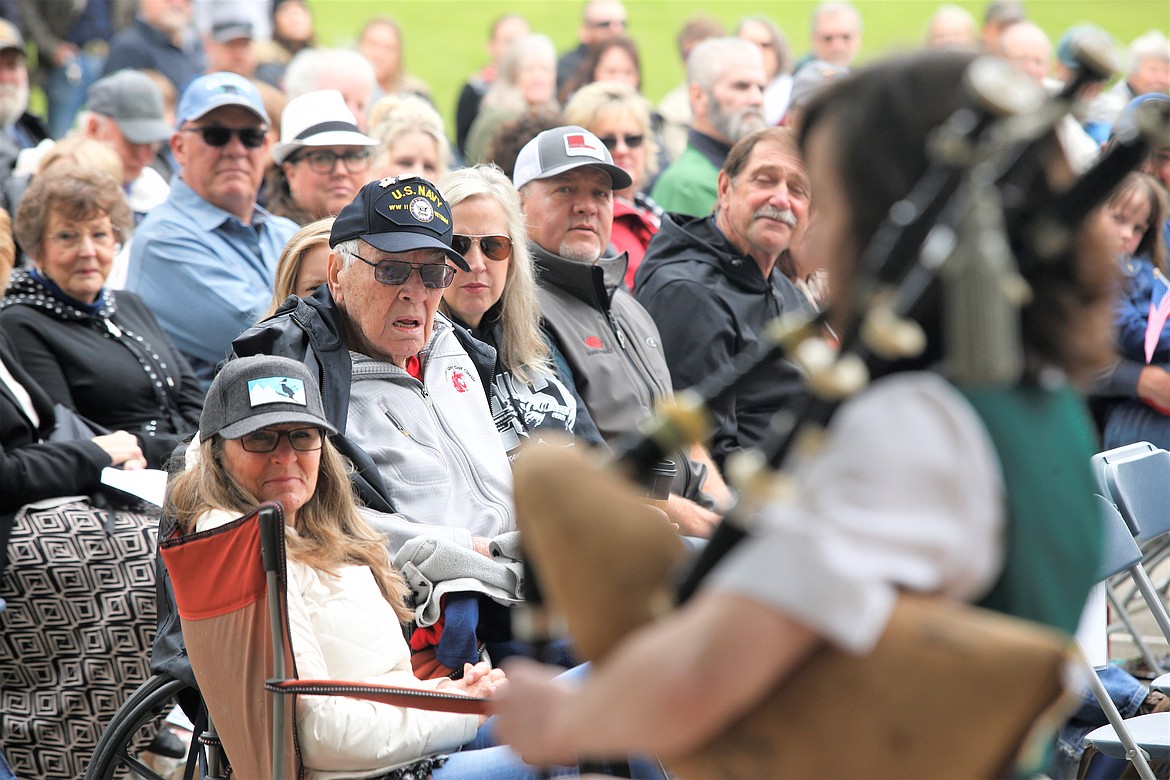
408 392
566 179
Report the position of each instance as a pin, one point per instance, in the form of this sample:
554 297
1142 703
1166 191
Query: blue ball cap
216 90
398 214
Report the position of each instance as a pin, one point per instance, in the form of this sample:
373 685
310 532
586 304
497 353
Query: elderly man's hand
526 711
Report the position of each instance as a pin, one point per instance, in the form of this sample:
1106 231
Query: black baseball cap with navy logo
398 214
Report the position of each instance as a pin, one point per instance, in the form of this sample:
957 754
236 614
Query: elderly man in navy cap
204 261
407 390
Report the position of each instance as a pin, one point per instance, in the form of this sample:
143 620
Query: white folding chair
1145 737
1134 488
1140 489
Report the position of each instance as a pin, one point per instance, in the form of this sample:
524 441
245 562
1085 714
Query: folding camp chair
230 590
1148 736
1140 488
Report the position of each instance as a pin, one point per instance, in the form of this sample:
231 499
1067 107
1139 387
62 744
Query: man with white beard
725 77
18 128
712 283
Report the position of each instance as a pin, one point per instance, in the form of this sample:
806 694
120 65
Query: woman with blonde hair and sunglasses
496 300
621 119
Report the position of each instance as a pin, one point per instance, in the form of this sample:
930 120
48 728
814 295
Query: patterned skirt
75 638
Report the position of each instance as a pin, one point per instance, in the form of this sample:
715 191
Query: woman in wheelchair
263 436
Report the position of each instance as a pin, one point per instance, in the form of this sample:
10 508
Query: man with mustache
726 80
712 283
566 178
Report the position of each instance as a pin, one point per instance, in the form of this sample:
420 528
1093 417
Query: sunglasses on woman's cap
251 137
493 247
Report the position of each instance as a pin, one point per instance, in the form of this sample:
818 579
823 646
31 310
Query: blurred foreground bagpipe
603 562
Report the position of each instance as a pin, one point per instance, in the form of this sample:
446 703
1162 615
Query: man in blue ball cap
205 260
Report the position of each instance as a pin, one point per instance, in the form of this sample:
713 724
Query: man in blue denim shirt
204 261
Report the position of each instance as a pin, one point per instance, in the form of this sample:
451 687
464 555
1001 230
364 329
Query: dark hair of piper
962 207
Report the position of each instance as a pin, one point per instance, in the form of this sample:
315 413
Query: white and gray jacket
434 443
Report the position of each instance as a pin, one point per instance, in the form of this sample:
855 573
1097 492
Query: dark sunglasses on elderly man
213 135
493 247
434 276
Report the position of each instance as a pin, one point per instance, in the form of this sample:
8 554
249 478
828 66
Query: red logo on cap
583 145
593 342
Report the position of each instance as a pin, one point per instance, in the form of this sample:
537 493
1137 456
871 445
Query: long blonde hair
329 532
288 267
522 348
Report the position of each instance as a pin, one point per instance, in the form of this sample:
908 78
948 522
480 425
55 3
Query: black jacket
118 369
30 468
710 303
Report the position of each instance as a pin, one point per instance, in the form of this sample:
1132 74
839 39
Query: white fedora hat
318 118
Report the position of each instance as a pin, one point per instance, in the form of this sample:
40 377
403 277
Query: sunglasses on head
435 276
493 247
213 135
611 141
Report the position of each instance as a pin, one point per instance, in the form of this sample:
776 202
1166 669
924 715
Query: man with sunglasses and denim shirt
408 392
204 261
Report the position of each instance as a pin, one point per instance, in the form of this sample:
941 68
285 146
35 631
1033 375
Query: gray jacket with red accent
611 344
427 451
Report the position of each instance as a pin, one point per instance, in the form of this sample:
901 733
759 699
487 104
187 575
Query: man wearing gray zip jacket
406 390
566 179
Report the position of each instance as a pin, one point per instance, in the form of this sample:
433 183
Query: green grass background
445 39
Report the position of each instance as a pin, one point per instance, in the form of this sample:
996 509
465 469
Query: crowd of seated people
456 296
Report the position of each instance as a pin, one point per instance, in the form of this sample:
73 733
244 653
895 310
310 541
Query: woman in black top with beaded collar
96 351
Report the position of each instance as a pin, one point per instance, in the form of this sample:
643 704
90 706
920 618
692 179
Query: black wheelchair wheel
116 753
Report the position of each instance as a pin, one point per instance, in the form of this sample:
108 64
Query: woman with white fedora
322 159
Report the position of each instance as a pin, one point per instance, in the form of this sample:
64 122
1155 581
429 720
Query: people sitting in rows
409 390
